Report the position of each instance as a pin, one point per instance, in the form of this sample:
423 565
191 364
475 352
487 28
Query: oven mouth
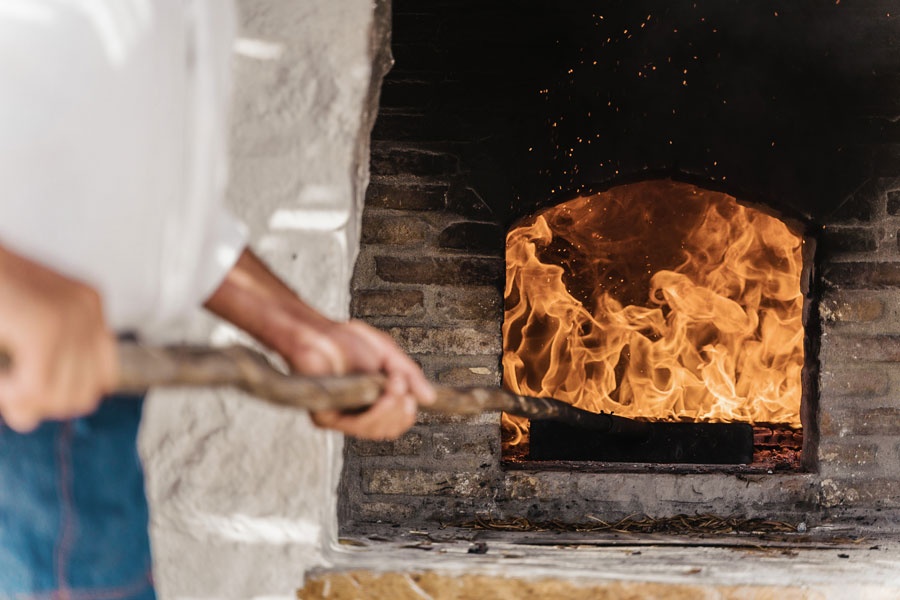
663 302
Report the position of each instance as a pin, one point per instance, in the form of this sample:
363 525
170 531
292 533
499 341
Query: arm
64 357
255 300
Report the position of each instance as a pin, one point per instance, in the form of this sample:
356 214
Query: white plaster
243 495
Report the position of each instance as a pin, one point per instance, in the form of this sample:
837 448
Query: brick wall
467 141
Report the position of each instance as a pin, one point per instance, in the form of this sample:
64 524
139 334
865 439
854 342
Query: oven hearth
490 117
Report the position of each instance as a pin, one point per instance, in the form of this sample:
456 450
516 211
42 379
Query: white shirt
113 131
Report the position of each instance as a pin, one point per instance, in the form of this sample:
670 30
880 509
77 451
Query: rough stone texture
468 185
431 340
388 303
438 270
629 567
243 495
392 228
406 197
475 238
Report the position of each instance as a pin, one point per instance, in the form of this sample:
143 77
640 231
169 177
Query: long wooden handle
144 367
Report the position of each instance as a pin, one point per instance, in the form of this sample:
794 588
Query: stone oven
491 115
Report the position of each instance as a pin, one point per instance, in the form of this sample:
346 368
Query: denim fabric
73 515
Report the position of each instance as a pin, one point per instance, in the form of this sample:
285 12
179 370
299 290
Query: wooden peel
143 367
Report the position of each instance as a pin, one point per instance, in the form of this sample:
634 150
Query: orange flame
656 300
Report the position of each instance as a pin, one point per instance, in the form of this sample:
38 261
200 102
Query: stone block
843 382
467 304
390 160
396 229
848 239
869 348
481 443
464 341
860 422
893 202
850 307
859 207
846 455
474 238
439 270
409 444
388 303
376 512
466 376
466 201
862 275
868 493
406 197
422 483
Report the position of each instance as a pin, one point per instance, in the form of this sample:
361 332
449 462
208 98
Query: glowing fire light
656 300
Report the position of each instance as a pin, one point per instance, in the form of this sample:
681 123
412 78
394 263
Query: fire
656 300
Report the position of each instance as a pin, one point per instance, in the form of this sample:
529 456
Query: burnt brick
480 442
884 160
849 239
463 341
387 303
389 160
875 421
863 383
406 197
465 201
873 348
893 202
385 511
836 456
850 308
408 444
467 304
870 493
858 208
441 271
421 483
394 229
859 275
466 376
423 128
477 238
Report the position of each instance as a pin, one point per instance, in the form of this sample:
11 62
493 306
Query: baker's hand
355 347
254 299
63 356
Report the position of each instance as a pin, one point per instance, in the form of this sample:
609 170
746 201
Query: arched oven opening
664 302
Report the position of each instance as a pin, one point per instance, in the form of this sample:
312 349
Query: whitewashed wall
243 496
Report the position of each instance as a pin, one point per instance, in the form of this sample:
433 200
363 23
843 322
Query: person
112 165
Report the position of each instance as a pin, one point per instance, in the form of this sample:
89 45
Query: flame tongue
656 300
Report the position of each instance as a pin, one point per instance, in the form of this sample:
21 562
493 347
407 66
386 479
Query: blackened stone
849 239
865 276
393 228
478 238
424 128
406 197
467 202
441 271
388 160
857 207
387 303
893 202
863 348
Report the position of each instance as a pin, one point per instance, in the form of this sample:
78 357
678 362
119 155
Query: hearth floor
392 564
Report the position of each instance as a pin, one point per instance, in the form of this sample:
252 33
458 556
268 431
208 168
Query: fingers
387 419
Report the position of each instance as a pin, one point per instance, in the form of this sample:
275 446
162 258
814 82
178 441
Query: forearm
257 301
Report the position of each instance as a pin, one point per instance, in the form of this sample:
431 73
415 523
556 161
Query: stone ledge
634 568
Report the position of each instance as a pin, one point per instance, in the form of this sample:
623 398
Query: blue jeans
73 515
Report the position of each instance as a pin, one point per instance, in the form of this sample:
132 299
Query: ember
656 300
